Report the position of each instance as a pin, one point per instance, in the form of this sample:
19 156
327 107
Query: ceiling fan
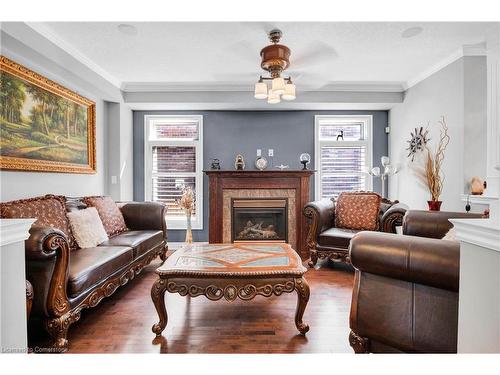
275 59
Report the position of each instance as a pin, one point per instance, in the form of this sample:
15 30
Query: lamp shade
289 93
260 90
273 98
278 85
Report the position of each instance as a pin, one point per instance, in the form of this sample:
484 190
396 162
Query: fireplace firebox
259 219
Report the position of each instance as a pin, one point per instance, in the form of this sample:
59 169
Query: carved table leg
314 258
158 297
303 293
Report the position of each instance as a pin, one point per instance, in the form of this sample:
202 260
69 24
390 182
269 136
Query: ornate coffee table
230 271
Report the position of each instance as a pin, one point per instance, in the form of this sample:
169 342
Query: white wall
23 45
441 94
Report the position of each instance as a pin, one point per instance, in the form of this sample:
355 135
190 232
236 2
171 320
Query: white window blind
343 150
173 162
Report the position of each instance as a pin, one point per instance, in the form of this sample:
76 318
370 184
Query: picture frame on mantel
44 127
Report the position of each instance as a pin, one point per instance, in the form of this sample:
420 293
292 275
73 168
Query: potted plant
431 174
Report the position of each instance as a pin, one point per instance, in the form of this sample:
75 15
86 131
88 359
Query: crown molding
48 34
466 50
236 87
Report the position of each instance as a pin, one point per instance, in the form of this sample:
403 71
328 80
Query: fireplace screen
259 220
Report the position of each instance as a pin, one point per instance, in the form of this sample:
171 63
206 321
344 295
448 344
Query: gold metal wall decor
44 127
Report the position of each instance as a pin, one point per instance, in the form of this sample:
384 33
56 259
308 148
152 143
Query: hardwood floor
122 323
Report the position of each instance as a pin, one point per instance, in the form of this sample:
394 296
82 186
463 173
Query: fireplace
259 219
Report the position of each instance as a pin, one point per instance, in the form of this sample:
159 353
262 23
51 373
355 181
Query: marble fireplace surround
293 185
228 194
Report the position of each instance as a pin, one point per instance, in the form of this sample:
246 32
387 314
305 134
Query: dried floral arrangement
187 200
431 174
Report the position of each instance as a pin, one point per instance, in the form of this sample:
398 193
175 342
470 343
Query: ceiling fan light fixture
260 90
289 93
273 98
279 85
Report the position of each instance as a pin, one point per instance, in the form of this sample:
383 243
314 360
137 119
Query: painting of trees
44 125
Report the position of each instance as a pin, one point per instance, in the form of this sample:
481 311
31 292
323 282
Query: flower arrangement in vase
187 202
431 174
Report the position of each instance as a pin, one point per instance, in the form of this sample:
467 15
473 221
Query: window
174 160
342 152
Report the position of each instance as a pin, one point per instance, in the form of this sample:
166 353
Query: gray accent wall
227 133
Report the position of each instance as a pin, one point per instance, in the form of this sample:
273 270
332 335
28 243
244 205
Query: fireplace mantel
296 181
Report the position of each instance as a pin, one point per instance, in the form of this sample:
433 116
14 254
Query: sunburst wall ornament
417 142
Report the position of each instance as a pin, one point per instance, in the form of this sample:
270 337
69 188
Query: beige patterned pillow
358 211
110 214
87 227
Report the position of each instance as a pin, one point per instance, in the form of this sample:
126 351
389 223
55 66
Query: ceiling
203 55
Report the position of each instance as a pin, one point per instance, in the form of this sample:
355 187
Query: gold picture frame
44 127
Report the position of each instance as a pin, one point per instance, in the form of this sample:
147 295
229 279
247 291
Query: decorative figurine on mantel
187 202
282 167
305 159
215 164
239 163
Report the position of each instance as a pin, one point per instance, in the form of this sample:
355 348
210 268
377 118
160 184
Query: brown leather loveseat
67 279
405 295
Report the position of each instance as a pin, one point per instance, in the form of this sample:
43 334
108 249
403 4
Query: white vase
189 232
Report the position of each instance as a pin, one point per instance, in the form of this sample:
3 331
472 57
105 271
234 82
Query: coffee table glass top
236 258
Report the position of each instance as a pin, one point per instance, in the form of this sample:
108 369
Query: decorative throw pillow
358 211
87 227
451 235
49 210
110 214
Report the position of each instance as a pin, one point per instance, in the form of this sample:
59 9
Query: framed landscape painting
43 126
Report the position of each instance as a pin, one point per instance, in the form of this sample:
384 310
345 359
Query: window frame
149 121
367 121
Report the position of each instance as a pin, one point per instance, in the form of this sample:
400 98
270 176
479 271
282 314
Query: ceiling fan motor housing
275 59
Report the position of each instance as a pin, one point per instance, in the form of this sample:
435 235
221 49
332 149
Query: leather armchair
325 241
405 295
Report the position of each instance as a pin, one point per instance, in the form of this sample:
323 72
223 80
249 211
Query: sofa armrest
47 263
393 218
414 259
145 215
432 224
321 215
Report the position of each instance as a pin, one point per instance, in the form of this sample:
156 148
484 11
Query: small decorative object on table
261 163
476 186
388 170
239 163
215 164
305 159
187 203
431 174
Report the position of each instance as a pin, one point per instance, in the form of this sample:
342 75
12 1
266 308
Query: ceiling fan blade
317 53
244 50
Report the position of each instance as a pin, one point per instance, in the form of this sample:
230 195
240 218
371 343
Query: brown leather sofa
405 295
325 241
67 281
